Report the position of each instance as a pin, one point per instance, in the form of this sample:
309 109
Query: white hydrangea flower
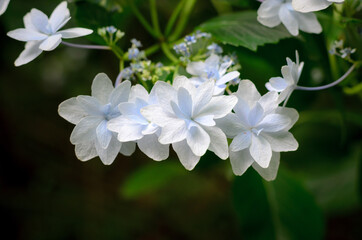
286 85
186 115
211 69
42 33
3 6
313 5
90 114
273 12
260 131
132 126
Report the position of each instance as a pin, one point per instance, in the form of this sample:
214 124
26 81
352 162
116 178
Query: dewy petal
71 111
85 130
75 32
247 91
269 173
23 34
102 87
198 140
150 146
51 42
240 161
128 148
230 125
287 17
241 141
281 142
203 96
40 21
218 144
260 150
103 135
186 156
174 131
218 106
30 52
3 6
85 151
184 101
310 5
120 93
58 16
108 155
308 22
274 123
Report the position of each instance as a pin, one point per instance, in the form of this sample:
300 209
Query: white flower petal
240 161
207 120
230 125
126 131
182 81
241 141
40 21
75 32
51 42
138 91
71 111
310 5
174 131
28 23
308 22
58 16
102 87
260 150
203 96
103 135
150 129
255 115
227 77
85 130
185 154
85 151
128 148
150 146
196 68
291 113
165 94
269 173
274 123
23 34
198 140
281 142
184 101
218 144
157 115
218 106
277 84
108 155
120 93
288 19
269 102
90 105
3 6
30 52
268 13
247 91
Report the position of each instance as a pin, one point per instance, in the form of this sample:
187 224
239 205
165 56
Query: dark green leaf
243 29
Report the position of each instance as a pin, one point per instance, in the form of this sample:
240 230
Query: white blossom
313 5
186 116
260 131
273 12
90 114
42 33
3 6
285 85
211 69
132 126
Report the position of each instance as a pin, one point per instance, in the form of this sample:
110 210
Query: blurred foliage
46 193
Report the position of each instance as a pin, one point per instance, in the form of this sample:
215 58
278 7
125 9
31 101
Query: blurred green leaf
151 178
243 29
281 209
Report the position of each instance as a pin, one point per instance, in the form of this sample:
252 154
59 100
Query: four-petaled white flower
91 114
133 126
41 33
286 85
3 6
212 69
186 115
273 12
259 129
312 5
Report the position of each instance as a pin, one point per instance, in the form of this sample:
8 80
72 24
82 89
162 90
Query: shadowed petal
269 173
185 154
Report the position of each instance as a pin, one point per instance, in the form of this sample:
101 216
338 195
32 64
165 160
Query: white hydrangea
313 5
3 6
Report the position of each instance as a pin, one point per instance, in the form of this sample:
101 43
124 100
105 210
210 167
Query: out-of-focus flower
91 114
3 6
41 33
312 5
273 12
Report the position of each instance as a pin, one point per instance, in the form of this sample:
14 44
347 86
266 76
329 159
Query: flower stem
181 24
84 46
173 17
168 53
154 18
143 21
328 85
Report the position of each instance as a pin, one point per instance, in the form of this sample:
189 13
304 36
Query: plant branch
143 21
173 18
181 24
84 46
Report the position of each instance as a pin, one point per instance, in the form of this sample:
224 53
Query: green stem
181 24
168 53
173 18
154 18
143 21
144 84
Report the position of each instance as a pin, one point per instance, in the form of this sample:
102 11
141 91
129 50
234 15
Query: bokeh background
46 193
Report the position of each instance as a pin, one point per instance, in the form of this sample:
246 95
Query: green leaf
243 29
151 178
281 209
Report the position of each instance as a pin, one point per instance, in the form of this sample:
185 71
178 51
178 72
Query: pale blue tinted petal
103 135
150 146
85 130
128 108
288 19
255 115
150 129
157 115
30 52
269 102
196 68
71 111
291 113
260 150
40 21
128 148
240 161
308 22
165 94
28 23
269 173
281 142
108 155
247 91
241 141
3 6
58 16
184 101
90 104
218 144
276 84
85 151
127 131
274 123
198 140
185 154
138 91
102 87
23 34
51 42
310 5
120 93
182 81
75 32
218 106
207 120
230 125
202 96
227 77
174 131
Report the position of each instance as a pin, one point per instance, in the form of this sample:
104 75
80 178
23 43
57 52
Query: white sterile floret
186 116
260 131
286 85
3 6
132 126
91 114
212 69
41 33
313 5
273 12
